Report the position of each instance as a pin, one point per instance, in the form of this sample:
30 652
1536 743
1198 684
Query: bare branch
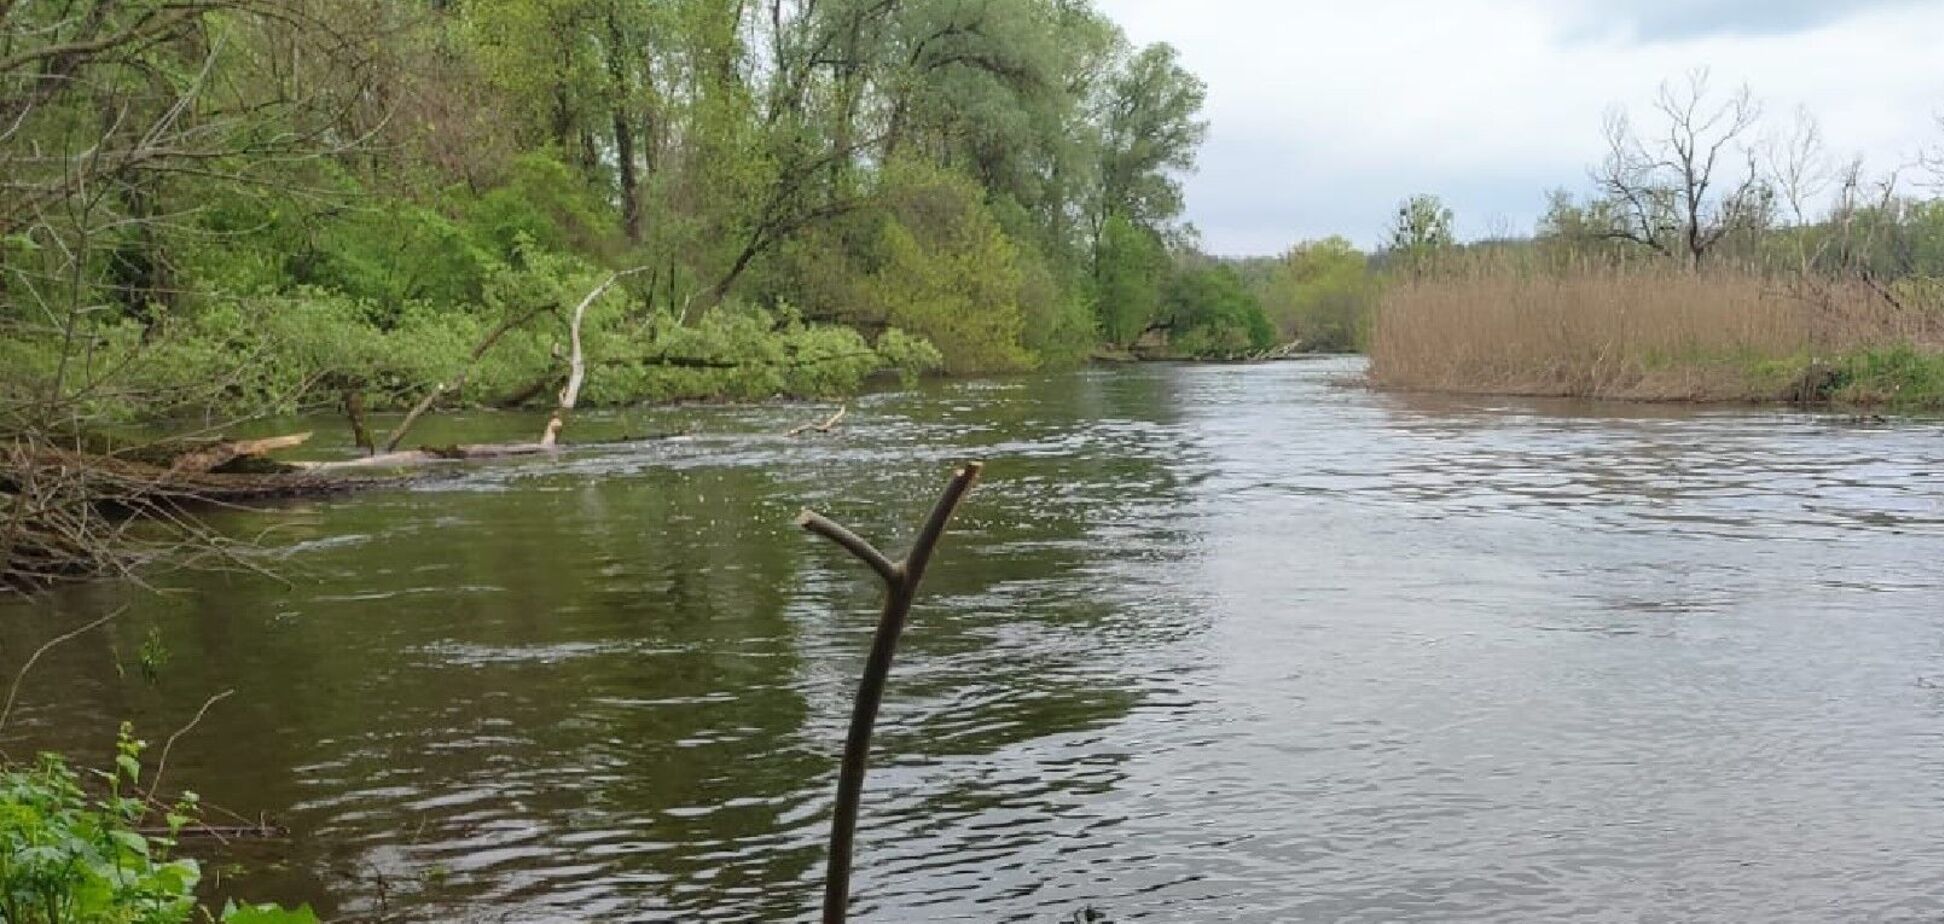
162 762
14 690
851 542
901 586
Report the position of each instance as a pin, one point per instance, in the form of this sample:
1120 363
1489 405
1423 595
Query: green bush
71 857
1212 314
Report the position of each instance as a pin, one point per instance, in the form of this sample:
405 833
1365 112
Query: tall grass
1640 332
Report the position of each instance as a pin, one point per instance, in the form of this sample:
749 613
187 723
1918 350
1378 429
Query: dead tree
1673 188
900 588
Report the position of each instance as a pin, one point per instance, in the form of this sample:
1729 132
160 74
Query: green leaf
268 914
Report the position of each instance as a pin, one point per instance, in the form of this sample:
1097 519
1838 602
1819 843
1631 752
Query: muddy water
1210 643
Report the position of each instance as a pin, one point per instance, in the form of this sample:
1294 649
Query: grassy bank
1660 334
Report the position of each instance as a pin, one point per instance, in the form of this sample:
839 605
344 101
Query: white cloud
1324 115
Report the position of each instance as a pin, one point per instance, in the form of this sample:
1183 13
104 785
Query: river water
1237 644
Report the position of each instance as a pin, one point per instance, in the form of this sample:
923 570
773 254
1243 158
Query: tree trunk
624 150
624 140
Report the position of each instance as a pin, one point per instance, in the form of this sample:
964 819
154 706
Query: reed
1646 332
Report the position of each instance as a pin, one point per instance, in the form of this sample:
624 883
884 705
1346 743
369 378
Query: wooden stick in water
900 588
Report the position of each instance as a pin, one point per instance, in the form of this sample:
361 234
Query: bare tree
1799 170
1683 186
1932 160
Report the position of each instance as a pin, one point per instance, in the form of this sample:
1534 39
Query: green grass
1900 378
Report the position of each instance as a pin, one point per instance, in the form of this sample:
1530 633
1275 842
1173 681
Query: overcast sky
1323 115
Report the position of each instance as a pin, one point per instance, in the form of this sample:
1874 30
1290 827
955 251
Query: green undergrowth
1901 378
94 848
284 353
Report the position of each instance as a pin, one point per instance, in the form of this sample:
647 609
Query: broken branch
900 588
826 426
214 457
577 361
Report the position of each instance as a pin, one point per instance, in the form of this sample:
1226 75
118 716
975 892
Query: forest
220 208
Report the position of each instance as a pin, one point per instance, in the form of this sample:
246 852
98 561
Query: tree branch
900 587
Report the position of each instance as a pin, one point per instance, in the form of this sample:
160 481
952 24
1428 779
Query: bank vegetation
225 209
1718 257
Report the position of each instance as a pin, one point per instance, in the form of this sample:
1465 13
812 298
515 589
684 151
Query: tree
1674 188
1420 232
1130 266
1211 313
948 273
1151 129
1320 293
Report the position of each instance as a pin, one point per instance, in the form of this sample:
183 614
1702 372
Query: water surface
1209 643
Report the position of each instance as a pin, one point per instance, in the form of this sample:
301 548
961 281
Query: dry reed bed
1643 334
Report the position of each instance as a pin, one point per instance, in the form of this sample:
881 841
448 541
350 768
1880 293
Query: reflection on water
1209 643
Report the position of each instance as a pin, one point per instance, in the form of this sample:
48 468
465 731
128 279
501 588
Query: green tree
1422 225
1321 293
1210 312
1150 133
1131 266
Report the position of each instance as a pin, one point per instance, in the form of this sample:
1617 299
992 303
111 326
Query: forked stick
900 587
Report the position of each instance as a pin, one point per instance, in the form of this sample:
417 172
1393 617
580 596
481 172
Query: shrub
69 857
1211 314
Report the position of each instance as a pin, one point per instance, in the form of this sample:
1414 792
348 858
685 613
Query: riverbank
1658 335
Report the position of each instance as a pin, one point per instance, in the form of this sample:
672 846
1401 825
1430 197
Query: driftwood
354 411
428 455
121 481
828 424
440 390
576 366
549 440
900 588
223 453
1289 350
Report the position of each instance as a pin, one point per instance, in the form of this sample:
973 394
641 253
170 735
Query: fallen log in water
228 451
66 513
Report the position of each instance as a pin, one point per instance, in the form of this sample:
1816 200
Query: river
1210 643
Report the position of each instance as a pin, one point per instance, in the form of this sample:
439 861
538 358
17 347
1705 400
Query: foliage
1130 269
69 856
1900 376
948 273
749 353
1421 229
1211 313
303 198
1321 293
